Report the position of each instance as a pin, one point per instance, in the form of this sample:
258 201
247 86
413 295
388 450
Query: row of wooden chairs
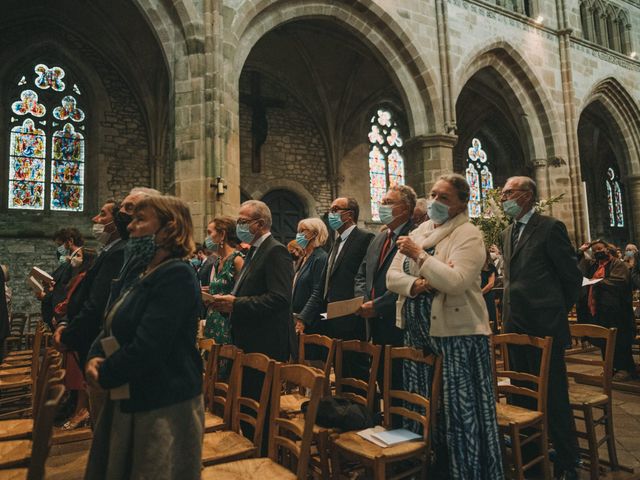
592 407
228 410
25 442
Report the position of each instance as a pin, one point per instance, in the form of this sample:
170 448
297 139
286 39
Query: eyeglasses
508 193
338 209
245 221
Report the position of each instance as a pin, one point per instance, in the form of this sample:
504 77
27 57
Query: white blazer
458 306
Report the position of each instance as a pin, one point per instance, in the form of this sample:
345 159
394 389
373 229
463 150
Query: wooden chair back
225 357
51 363
205 347
419 402
246 409
290 440
604 367
325 343
359 391
42 432
538 382
35 357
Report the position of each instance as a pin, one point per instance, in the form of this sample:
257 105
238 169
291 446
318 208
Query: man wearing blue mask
541 284
379 308
338 279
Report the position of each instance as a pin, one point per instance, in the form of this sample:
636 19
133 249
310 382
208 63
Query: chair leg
594 459
323 451
336 471
516 450
379 469
611 441
544 450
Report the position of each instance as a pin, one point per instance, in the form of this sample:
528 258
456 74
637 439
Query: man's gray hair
458 182
528 184
422 204
407 195
260 211
145 192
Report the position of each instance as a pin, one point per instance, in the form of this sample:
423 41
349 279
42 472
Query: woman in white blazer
436 274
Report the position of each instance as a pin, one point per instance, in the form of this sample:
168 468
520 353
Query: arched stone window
479 177
585 20
386 163
624 32
46 147
614 199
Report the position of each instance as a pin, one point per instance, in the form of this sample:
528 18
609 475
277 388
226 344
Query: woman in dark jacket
152 427
312 235
608 303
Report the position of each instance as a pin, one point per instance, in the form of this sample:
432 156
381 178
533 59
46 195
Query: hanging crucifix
259 123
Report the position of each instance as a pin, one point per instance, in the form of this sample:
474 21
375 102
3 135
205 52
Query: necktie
386 246
515 235
330 262
243 271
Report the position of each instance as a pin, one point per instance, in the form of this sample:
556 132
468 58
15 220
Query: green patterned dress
217 324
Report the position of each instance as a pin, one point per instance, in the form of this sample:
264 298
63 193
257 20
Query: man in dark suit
85 312
379 308
260 303
338 279
541 284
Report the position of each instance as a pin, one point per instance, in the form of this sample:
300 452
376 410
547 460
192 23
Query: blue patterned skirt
467 426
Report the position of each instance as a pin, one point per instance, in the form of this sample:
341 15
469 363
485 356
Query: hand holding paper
344 307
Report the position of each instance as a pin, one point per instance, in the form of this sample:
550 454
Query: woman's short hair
175 217
74 235
317 226
458 182
227 225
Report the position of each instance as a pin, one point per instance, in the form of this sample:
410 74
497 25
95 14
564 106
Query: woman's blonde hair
318 227
175 218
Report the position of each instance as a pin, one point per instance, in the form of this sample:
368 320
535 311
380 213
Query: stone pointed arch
370 23
620 107
510 66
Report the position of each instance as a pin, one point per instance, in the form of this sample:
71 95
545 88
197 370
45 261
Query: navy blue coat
156 326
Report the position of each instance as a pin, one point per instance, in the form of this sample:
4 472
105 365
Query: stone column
428 157
632 183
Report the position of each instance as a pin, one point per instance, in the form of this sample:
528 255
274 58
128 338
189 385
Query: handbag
342 413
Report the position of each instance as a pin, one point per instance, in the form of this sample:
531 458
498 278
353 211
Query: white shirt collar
527 216
259 241
344 235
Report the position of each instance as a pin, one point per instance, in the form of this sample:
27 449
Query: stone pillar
633 198
428 157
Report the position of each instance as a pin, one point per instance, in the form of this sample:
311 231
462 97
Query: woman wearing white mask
436 273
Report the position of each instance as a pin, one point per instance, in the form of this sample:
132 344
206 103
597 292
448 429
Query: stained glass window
614 199
479 177
386 164
51 114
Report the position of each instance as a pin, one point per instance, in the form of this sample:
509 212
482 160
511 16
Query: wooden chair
289 438
587 402
218 404
320 342
411 457
22 428
358 390
512 419
228 445
24 458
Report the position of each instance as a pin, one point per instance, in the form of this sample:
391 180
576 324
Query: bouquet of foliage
493 219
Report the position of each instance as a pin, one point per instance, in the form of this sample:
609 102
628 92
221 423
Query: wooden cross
259 123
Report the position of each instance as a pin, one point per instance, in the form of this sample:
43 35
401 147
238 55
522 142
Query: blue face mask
511 208
62 253
438 212
386 214
335 220
142 248
209 244
195 261
243 233
302 240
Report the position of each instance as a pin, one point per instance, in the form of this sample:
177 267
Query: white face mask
99 233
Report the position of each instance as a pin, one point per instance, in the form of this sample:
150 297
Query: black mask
122 221
600 256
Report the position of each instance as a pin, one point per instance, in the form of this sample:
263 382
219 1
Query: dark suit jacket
261 318
341 287
309 276
205 270
86 309
541 279
61 277
371 277
156 327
